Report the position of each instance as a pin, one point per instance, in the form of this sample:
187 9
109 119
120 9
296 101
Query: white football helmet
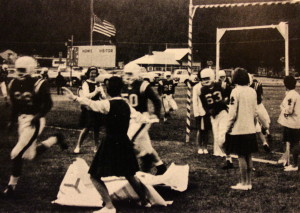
222 75
44 70
25 65
167 75
132 72
4 66
207 76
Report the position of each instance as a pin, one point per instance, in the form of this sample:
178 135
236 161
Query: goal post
282 28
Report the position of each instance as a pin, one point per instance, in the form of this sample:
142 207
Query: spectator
290 120
60 82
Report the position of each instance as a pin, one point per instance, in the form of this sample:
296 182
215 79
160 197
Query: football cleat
8 192
61 141
146 204
200 151
76 150
267 148
290 168
95 149
239 186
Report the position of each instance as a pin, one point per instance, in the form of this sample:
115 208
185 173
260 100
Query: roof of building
179 53
167 57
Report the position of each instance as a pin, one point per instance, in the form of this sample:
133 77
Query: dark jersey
166 87
29 96
257 86
3 75
138 95
212 99
227 87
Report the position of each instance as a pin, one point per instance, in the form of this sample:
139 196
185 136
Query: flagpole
92 19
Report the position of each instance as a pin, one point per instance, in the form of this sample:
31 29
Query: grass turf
209 186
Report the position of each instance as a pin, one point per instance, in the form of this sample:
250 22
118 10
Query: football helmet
222 75
167 75
207 76
132 72
25 65
4 66
44 70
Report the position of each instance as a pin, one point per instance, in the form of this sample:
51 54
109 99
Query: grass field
209 186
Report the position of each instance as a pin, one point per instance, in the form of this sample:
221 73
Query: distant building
168 60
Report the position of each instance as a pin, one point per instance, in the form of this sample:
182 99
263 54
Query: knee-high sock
243 169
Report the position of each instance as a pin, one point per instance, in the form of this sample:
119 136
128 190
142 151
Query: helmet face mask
130 77
25 66
207 77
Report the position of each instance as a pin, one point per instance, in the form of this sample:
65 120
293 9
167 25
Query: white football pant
27 137
3 89
169 103
138 133
219 127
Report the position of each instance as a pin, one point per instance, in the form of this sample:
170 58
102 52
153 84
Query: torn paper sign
176 177
77 189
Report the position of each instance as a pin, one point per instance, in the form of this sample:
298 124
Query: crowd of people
229 109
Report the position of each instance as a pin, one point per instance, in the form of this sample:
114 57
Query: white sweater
242 110
290 110
197 104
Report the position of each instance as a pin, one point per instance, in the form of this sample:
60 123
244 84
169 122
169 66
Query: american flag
103 27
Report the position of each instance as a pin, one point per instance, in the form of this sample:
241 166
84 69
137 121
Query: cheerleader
115 156
241 126
89 119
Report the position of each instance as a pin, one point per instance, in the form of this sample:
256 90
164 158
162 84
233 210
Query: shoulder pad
144 86
38 85
11 83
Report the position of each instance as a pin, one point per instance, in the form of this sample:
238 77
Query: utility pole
70 56
92 22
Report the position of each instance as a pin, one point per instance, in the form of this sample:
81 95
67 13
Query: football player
166 89
261 131
212 99
3 81
30 102
138 92
202 119
226 85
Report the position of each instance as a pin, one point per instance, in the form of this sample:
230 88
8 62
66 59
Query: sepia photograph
155 106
